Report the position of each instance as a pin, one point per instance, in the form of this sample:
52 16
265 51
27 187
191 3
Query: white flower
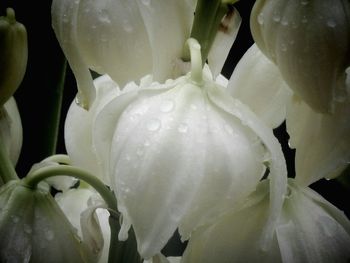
89 217
322 141
309 229
180 154
310 44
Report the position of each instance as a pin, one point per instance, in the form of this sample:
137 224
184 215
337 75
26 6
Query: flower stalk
207 20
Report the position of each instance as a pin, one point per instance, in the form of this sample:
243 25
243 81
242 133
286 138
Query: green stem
7 170
54 111
207 19
35 177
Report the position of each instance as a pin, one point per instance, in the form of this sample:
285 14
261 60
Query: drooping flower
310 43
130 40
34 229
322 141
309 229
186 151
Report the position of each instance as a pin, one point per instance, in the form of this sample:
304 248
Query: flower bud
11 129
13 54
310 43
34 229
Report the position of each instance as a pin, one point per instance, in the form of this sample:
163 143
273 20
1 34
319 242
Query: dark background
45 62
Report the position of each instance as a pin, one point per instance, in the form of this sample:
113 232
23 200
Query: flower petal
11 129
321 141
78 128
168 24
64 21
113 39
277 165
175 152
257 82
235 236
223 41
312 229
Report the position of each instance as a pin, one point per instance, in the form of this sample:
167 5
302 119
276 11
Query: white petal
78 128
235 236
257 82
223 41
113 39
64 21
175 154
277 165
168 24
11 129
322 141
312 229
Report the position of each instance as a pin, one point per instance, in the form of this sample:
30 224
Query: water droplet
153 124
146 2
228 129
304 2
276 18
193 107
261 18
147 143
65 18
104 17
27 229
140 151
284 22
93 27
15 219
49 235
331 23
167 106
304 20
283 47
183 128
127 157
127 26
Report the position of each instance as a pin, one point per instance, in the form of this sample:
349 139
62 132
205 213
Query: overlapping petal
309 229
124 40
322 141
179 158
310 44
257 82
78 128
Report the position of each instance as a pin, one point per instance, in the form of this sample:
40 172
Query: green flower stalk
13 54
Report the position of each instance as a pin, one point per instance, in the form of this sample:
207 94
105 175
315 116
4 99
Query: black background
45 61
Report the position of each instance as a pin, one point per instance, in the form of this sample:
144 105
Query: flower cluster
162 143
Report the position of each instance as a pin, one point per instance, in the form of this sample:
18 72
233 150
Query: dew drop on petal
276 18
127 26
153 125
49 235
261 18
27 229
167 106
331 23
183 128
15 219
146 2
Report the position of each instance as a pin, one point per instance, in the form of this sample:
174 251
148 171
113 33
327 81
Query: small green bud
13 54
34 229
